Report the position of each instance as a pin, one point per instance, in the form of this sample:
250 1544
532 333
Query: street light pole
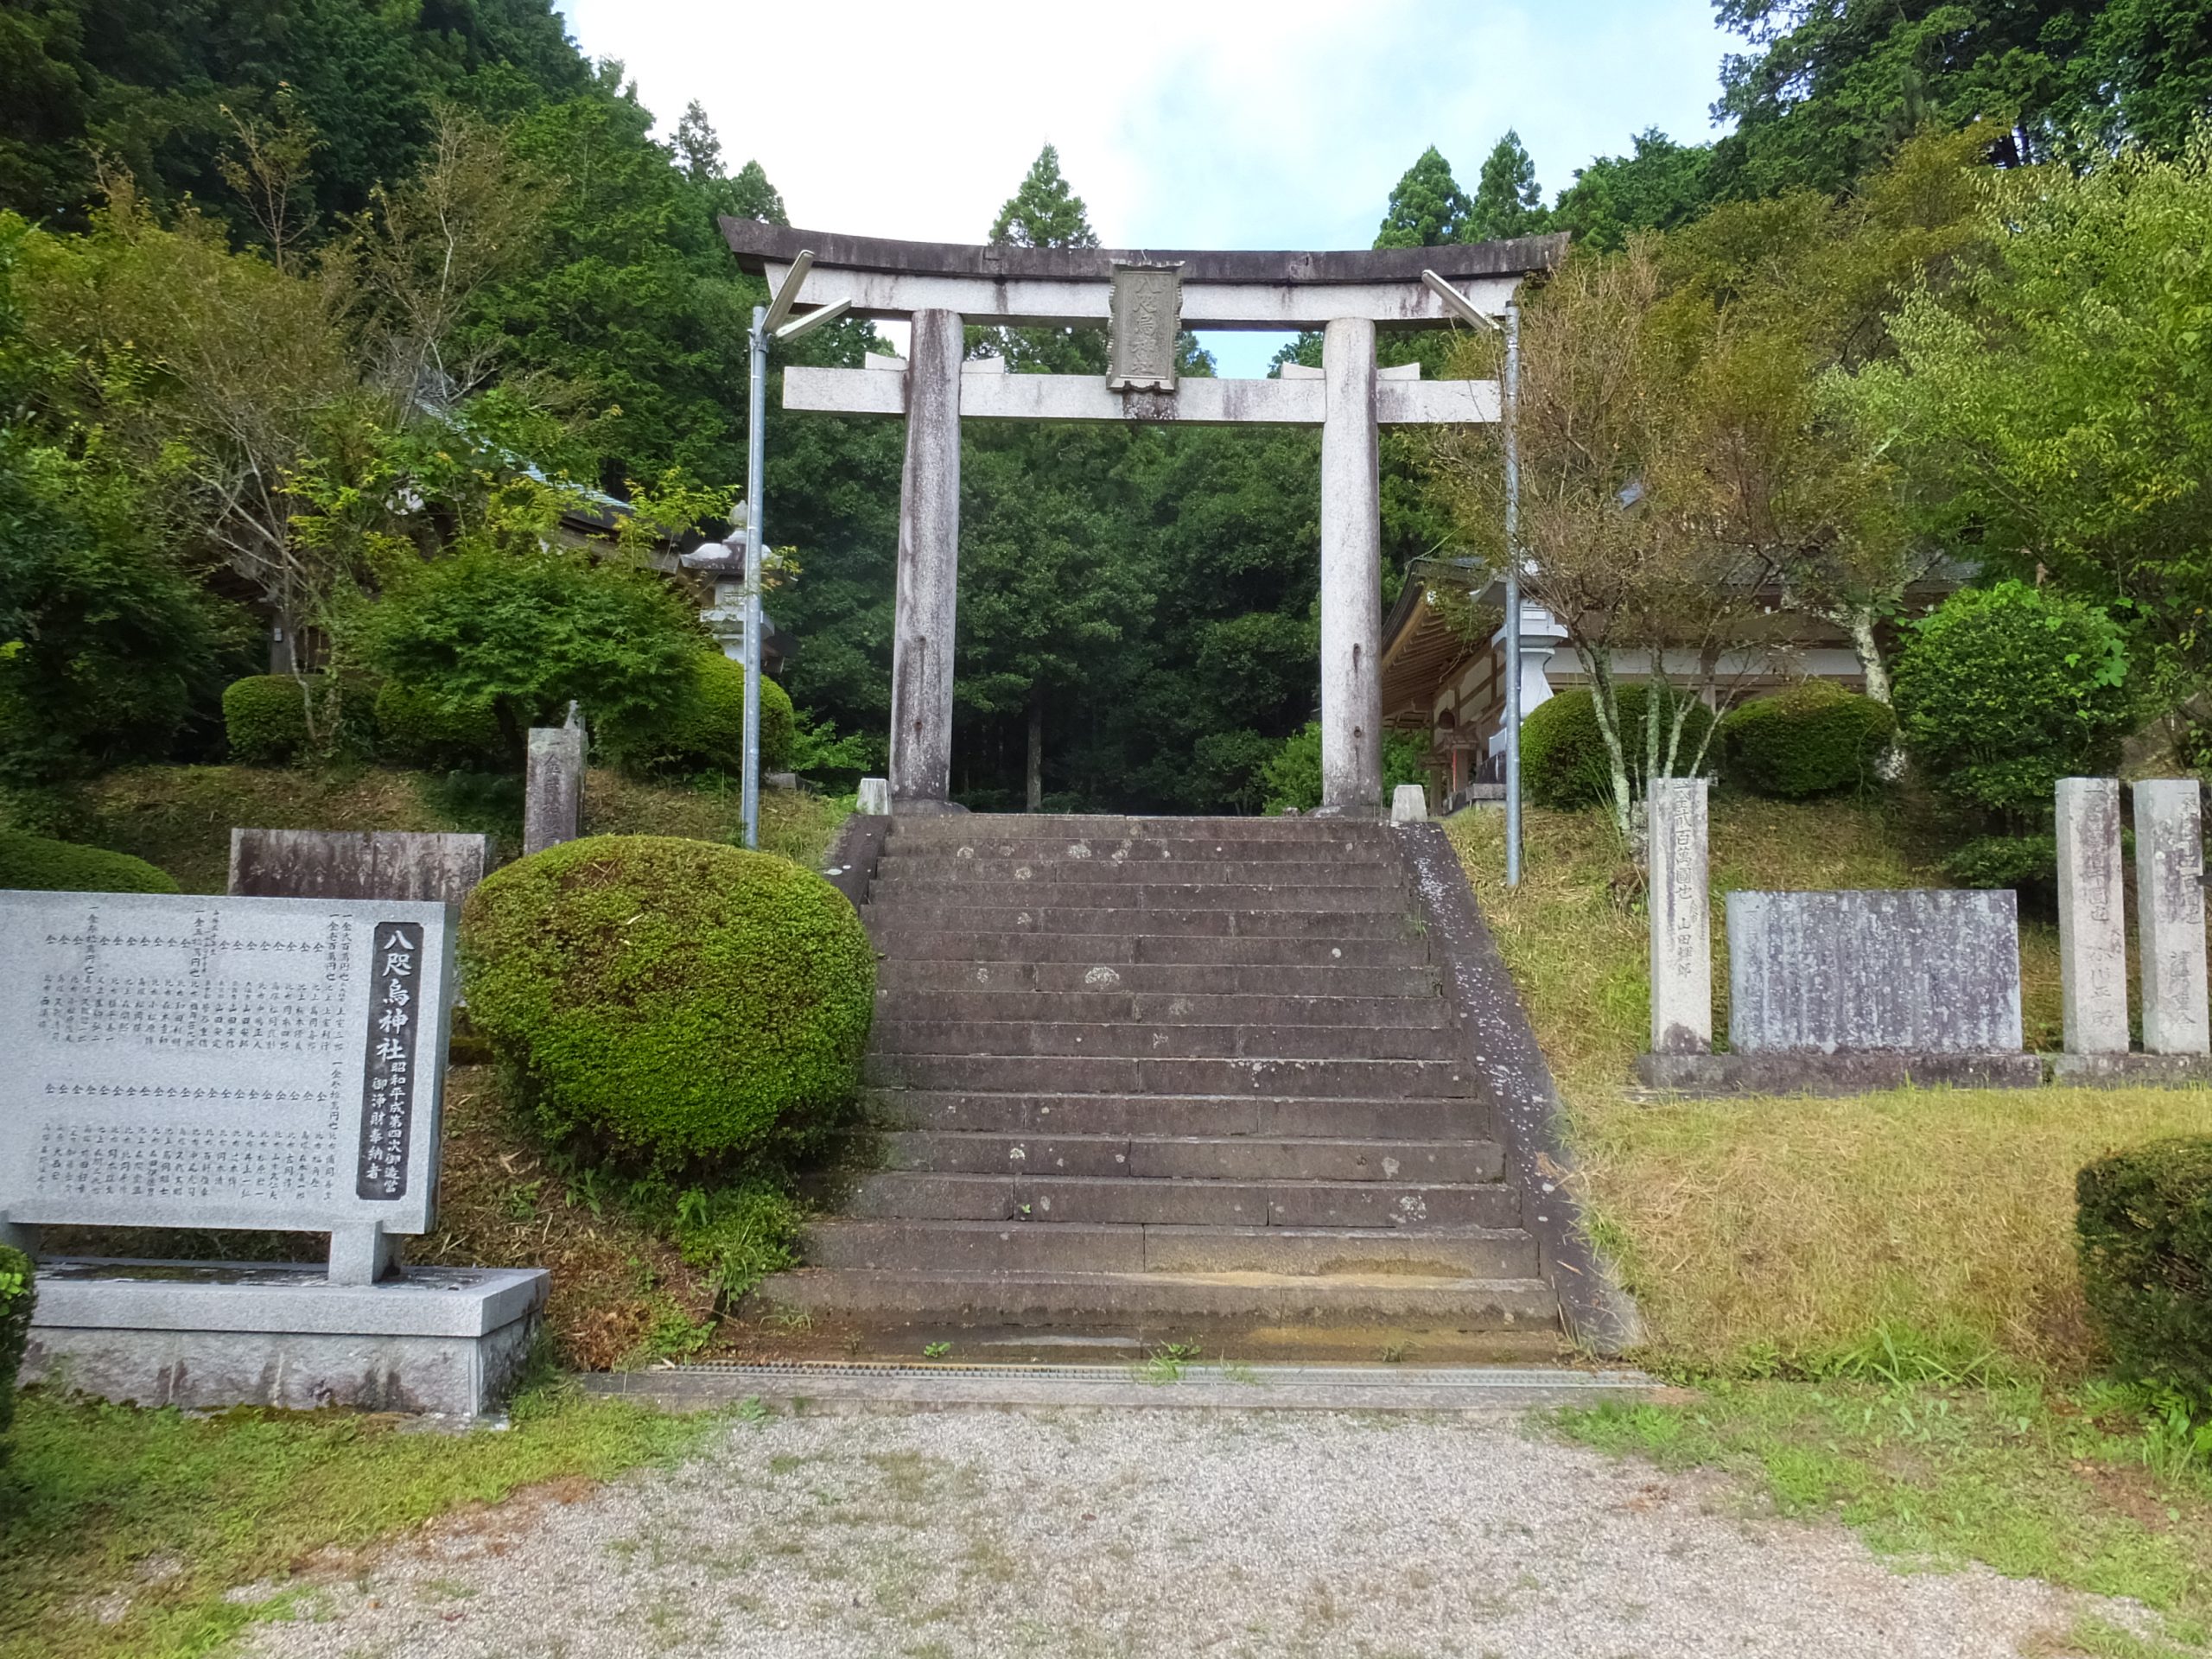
769 323
756 448
1512 415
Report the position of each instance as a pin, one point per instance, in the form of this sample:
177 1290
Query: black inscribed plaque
388 1079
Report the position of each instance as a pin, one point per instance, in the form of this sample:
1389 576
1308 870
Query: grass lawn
121 1531
1878 1293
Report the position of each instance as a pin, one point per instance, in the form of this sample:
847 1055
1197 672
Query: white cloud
1203 123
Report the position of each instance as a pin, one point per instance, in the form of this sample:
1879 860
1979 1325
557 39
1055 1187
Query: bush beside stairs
1166 1080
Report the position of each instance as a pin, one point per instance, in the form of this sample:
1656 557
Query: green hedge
18 1297
44 866
1563 759
2144 1225
1812 739
415 730
671 1002
265 718
705 729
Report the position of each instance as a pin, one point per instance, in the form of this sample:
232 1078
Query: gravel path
962 1534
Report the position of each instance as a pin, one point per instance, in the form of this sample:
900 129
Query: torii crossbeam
1144 298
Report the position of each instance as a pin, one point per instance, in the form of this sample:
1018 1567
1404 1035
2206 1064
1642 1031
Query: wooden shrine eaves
990 282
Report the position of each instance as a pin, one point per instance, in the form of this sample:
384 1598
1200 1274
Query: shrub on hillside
2005 691
2027 862
1563 759
41 865
1292 775
704 730
18 1297
668 1002
523 635
416 729
265 717
2144 1227
1813 739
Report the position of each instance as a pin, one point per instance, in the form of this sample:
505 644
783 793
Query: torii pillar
944 287
929 567
1352 573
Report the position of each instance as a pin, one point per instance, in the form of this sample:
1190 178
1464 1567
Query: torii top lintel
1066 287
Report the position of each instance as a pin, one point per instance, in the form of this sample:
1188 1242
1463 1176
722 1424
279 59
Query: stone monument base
1848 1071
205 1336
2128 1071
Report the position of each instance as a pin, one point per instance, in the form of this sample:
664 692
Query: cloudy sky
1204 124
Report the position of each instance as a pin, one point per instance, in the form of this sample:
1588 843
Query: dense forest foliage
297 296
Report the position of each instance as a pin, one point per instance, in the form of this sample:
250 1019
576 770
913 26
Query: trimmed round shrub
41 865
671 1002
415 729
1812 739
2143 1226
265 718
704 731
1563 759
2005 691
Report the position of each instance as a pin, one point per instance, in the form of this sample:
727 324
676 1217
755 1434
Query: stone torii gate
1144 299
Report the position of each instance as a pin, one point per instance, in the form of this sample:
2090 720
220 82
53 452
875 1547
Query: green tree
1660 184
523 635
2055 404
1507 203
1427 207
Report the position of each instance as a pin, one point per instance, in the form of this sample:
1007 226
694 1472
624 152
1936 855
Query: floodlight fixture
787 292
809 321
1459 305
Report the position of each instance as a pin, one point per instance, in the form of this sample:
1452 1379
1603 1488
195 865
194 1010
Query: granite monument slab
1926 971
356 864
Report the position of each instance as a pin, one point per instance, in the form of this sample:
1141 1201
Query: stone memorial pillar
1351 574
929 565
2092 917
553 786
1681 918
2169 915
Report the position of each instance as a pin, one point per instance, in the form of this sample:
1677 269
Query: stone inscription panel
1935 971
231 1062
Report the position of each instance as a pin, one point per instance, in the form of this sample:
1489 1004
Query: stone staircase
1164 1079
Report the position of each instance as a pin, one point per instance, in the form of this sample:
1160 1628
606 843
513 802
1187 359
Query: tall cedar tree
1507 203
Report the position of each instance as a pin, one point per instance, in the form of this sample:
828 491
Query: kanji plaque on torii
1147 298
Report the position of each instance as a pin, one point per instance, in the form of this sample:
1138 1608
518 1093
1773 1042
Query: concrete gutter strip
1599 1315
1197 1387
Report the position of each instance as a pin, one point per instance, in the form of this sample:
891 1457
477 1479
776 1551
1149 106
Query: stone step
1044 1200
1291 922
1065 897
976 828
1165 1303
900 937
1157 1007
990 872
1273 1116
1009 1038
1076 1246
1153 980
1232 1158
1106 1074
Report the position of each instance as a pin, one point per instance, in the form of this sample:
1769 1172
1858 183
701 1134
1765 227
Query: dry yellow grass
1764 1230
180 817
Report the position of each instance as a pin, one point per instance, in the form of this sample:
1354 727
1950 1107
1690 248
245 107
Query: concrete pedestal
207 1336
1351 575
929 566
